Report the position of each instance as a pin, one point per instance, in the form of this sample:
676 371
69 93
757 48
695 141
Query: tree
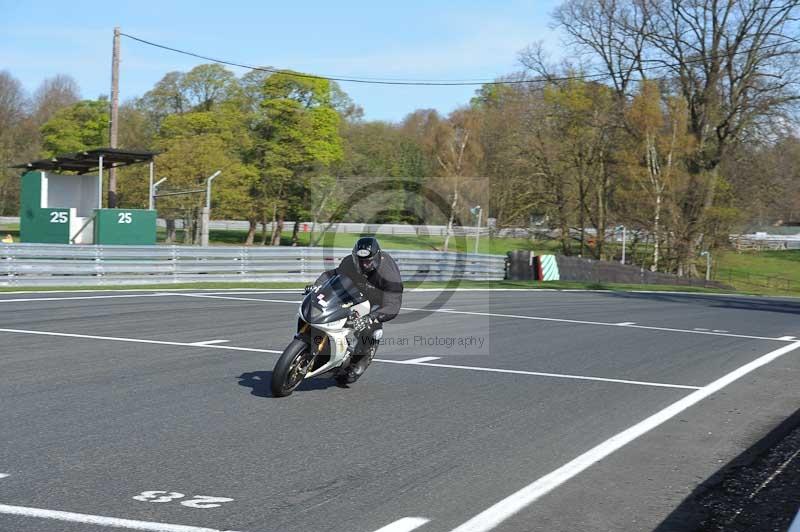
207 85
297 133
196 144
582 118
53 94
387 151
81 126
17 139
167 97
659 144
734 64
515 156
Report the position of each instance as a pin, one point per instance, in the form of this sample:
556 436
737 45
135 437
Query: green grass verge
497 246
764 272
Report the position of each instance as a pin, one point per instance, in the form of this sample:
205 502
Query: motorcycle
325 338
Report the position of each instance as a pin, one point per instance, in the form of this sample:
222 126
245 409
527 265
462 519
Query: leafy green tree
582 118
167 97
297 133
207 85
195 145
81 126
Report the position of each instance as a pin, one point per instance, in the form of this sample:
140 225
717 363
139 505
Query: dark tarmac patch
759 491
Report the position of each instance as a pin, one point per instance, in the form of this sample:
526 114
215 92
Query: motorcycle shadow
259 383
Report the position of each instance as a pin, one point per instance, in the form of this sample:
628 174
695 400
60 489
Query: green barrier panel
125 226
46 226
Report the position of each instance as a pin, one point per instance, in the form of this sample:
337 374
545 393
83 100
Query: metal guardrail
65 265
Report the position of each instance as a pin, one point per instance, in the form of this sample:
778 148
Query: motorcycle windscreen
332 301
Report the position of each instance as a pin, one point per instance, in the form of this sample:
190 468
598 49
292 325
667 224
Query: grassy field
766 272
497 246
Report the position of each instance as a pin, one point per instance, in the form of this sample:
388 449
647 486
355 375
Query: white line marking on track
538 318
118 296
139 341
626 323
238 298
100 520
720 331
499 512
699 329
210 342
538 374
600 323
406 524
3 475
274 351
419 360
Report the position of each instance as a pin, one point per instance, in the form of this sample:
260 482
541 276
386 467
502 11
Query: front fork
317 344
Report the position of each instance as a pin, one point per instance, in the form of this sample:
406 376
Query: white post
151 186
478 230
623 244
208 188
100 185
205 213
708 264
153 190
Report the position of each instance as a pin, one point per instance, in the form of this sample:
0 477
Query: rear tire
291 368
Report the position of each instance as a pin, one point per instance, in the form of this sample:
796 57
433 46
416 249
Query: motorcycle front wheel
291 368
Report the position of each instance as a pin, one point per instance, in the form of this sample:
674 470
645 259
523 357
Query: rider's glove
308 288
361 324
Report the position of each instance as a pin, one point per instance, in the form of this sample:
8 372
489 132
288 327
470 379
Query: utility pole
112 173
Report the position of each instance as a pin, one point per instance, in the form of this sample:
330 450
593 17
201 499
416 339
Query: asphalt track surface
518 411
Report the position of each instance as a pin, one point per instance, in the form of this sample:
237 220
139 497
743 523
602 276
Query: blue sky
456 39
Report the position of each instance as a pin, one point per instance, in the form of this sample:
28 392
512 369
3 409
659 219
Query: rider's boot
359 363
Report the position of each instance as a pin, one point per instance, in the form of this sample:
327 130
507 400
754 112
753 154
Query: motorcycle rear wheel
291 368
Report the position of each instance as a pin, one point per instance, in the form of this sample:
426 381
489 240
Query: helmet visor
365 260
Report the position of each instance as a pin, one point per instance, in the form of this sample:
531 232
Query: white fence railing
64 265
765 241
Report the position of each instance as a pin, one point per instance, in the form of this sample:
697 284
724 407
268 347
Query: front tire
291 368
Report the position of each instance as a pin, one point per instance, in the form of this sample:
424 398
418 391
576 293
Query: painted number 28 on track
197 501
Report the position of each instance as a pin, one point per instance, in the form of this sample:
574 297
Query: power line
368 81
450 83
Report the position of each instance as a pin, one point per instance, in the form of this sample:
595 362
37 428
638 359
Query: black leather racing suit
384 290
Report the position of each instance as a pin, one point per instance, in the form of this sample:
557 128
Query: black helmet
367 254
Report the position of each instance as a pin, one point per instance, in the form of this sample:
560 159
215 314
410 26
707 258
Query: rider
377 276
